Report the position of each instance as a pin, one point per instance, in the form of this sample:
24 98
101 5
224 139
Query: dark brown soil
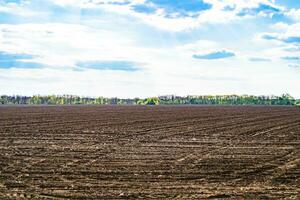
165 152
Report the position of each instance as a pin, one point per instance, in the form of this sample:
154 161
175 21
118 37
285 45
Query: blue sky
139 48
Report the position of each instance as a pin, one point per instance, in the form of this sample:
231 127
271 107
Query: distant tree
152 101
289 99
2 101
36 99
148 101
284 99
140 102
99 100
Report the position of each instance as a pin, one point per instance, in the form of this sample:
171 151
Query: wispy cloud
294 65
258 59
141 8
292 39
8 60
17 8
61 44
109 65
174 8
19 64
10 56
215 55
260 9
290 35
294 14
291 58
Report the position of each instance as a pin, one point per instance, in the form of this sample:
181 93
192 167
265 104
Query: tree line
284 99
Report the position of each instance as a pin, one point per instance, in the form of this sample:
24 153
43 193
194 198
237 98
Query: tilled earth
165 152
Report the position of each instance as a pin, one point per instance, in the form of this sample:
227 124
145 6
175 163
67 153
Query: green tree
152 101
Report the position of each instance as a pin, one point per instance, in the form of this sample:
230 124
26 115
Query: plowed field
165 152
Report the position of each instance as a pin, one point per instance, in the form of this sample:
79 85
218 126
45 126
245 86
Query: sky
143 48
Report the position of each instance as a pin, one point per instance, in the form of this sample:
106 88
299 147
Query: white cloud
58 44
88 82
18 9
288 34
283 42
294 14
200 79
204 47
199 46
293 30
217 14
280 26
222 11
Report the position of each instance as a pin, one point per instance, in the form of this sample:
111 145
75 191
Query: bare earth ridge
165 152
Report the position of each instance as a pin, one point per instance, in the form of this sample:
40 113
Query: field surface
165 152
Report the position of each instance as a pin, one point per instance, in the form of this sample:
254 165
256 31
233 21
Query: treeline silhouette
284 99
